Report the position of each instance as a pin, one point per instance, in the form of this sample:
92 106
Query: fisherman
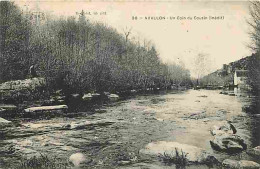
32 72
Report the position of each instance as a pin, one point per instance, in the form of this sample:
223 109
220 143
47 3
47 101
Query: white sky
223 41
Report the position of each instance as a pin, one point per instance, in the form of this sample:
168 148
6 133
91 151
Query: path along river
111 137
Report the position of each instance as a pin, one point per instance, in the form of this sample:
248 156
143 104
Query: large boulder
254 152
242 164
228 143
5 123
174 149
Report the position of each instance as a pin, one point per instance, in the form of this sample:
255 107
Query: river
112 135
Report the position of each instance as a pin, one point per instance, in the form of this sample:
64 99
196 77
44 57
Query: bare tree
127 32
254 23
254 63
202 65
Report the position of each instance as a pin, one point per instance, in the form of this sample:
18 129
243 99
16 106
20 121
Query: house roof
242 73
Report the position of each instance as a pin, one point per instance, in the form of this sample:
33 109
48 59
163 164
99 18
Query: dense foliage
14 42
77 54
215 80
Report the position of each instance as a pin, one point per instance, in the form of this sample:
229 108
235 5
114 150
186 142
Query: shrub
177 158
42 162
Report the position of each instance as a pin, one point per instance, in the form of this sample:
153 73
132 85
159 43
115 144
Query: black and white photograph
129 84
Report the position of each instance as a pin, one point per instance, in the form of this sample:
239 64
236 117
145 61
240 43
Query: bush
177 158
42 162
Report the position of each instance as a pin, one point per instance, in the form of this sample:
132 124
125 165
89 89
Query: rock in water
193 154
2 111
248 164
85 124
228 143
228 163
8 107
113 97
46 108
254 152
226 129
77 159
232 127
75 96
5 123
87 97
80 125
243 164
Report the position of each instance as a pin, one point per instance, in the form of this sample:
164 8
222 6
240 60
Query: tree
202 65
14 42
127 32
78 55
254 23
254 64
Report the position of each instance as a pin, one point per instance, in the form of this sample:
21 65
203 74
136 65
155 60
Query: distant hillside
225 75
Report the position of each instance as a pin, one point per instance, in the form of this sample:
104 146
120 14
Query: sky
177 40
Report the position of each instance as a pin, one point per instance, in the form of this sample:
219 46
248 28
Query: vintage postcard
129 84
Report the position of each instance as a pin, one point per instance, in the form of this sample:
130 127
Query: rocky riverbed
135 133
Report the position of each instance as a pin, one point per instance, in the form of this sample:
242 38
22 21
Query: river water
112 135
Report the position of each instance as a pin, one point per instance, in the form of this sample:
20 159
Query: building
240 77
